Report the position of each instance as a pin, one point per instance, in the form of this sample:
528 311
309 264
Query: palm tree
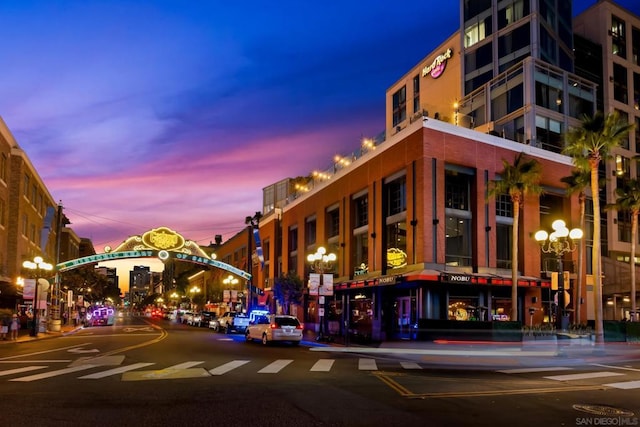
628 200
578 182
588 145
517 180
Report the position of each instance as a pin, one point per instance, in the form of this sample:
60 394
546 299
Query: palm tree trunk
632 262
595 261
577 298
514 262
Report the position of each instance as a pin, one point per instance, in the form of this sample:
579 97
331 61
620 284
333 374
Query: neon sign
438 65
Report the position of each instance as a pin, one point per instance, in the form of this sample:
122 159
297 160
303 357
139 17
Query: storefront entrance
405 317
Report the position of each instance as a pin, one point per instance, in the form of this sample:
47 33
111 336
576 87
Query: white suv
275 327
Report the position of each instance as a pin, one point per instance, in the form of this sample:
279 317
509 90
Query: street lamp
560 242
321 262
38 266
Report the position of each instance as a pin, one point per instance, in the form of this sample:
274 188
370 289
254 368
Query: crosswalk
618 377
188 369
610 372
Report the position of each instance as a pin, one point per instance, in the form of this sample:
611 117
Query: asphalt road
144 372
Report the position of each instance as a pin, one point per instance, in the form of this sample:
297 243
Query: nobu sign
455 278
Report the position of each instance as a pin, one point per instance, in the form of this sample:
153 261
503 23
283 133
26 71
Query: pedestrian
15 326
4 328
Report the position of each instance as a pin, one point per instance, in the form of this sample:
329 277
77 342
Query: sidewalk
24 335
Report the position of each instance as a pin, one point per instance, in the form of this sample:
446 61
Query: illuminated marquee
438 65
396 258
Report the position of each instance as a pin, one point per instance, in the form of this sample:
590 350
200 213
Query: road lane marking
185 365
628 385
165 374
367 365
275 367
223 369
410 365
583 376
13 362
624 368
322 365
534 370
44 352
53 373
21 370
114 371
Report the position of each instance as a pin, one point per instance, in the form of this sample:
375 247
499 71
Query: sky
149 113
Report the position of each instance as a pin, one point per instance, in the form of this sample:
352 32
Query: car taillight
300 326
273 326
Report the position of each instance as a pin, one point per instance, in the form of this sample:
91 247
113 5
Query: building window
2 215
396 243
637 132
26 188
396 192
620 83
514 11
310 231
333 223
636 91
360 252
477 31
503 243
624 143
3 167
549 134
32 233
456 191
624 226
618 37
400 106
512 42
416 94
266 251
635 45
504 206
361 211
458 238
458 212
293 239
25 223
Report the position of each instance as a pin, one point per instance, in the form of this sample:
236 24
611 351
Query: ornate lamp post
38 266
560 242
320 262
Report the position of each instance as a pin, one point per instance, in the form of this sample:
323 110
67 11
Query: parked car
275 327
206 317
233 321
194 319
185 317
214 324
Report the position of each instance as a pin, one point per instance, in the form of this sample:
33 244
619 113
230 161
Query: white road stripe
20 370
223 369
114 371
586 375
185 365
410 365
531 370
275 367
624 368
625 385
54 373
323 365
367 365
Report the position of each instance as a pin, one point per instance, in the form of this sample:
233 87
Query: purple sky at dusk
140 114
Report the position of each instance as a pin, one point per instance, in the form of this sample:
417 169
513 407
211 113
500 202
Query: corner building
415 235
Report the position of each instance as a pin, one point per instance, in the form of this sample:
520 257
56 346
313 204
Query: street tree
517 179
628 201
588 145
288 290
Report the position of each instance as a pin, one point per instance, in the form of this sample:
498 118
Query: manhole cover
603 410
